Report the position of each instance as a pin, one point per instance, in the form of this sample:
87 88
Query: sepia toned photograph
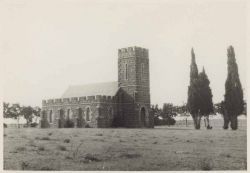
105 85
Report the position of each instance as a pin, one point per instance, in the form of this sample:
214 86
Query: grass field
165 148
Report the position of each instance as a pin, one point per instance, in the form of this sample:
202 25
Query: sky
47 45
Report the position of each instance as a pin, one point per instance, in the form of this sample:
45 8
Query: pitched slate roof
107 89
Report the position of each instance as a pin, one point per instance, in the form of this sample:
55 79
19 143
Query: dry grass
169 148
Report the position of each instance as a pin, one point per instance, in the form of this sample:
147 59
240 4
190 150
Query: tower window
126 71
50 116
135 95
142 70
87 114
68 114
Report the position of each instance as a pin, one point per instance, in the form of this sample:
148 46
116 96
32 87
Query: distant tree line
15 111
164 115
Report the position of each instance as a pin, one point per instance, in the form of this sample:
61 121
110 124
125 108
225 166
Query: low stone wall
90 111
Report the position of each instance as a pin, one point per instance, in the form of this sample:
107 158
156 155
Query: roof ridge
95 83
100 88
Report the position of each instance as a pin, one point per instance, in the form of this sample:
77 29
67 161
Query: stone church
125 103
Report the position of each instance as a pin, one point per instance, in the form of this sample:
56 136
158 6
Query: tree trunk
226 121
195 120
234 122
206 119
198 122
18 122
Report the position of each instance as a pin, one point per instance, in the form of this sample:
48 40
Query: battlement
132 52
78 100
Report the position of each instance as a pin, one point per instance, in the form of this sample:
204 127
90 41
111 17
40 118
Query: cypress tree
206 103
233 98
205 97
193 92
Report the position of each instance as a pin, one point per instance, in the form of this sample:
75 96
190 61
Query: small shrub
206 164
44 123
62 148
50 133
225 155
91 157
34 124
130 156
24 165
20 149
45 138
41 148
4 125
66 141
4 135
165 121
69 123
155 142
80 123
75 152
87 126
99 134
68 157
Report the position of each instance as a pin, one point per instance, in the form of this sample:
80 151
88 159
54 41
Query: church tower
134 93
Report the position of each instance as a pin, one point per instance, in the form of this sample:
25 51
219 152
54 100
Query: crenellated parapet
78 100
132 52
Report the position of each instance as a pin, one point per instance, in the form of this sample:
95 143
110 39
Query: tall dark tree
15 112
6 110
205 97
168 110
233 99
27 112
193 92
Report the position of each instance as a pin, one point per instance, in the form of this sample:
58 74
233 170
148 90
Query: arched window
126 71
50 116
43 114
87 114
61 113
110 113
68 113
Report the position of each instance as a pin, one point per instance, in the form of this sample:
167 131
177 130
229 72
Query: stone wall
78 110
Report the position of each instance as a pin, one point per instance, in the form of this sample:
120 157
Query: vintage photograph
127 85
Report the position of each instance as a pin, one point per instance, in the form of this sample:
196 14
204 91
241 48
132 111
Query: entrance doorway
143 116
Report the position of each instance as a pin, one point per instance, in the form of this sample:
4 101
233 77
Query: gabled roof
106 89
